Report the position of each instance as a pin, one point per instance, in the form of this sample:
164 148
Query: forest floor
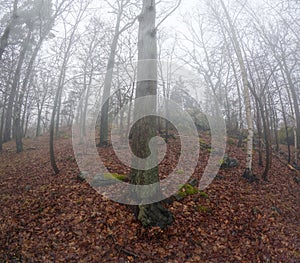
57 218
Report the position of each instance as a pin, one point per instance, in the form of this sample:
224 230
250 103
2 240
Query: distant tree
43 20
246 90
68 43
119 29
9 27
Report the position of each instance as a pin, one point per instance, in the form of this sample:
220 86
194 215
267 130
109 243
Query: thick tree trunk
145 129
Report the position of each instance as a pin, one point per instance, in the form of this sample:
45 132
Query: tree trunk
129 111
38 126
285 123
296 104
266 124
1 126
13 92
107 84
52 124
151 214
57 121
259 131
18 128
60 86
247 99
5 36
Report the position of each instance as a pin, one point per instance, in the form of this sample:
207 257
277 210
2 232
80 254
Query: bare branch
170 13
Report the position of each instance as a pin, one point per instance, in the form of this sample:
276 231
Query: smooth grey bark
145 129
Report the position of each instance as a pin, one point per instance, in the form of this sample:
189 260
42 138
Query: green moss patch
120 177
203 209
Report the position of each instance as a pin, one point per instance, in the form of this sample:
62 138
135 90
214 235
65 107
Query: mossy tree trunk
144 129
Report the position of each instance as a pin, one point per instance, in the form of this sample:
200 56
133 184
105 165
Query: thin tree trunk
57 120
259 131
13 92
1 126
247 99
24 118
5 36
18 128
129 111
107 84
60 85
52 123
295 102
285 124
38 126
266 124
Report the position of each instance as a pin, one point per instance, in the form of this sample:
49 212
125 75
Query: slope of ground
46 218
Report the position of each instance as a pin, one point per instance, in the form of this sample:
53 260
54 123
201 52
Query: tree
69 41
122 5
44 21
246 92
10 25
15 83
150 214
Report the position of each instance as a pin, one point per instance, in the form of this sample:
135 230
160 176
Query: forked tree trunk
151 214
